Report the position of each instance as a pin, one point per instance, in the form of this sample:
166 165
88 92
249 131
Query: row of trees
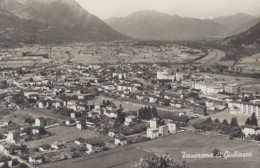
232 129
147 113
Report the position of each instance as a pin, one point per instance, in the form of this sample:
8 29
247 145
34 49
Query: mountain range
59 21
51 21
152 25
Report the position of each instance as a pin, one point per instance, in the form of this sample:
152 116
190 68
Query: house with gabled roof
120 140
45 148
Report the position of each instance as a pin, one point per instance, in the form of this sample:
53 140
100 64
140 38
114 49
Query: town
55 110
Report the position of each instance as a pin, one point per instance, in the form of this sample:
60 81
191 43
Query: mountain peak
55 20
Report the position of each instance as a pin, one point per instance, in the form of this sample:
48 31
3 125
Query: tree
225 122
169 87
209 120
257 137
254 120
154 112
3 84
216 152
160 161
31 80
149 113
22 165
216 120
120 119
234 122
248 121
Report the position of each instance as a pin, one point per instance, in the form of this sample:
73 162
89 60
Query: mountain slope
51 21
237 23
247 38
151 25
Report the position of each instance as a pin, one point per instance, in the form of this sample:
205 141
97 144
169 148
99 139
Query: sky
202 9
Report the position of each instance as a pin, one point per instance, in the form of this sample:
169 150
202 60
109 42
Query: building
199 109
81 126
110 114
179 76
172 127
113 133
94 145
13 137
126 87
40 122
154 123
119 75
244 108
73 115
206 88
214 89
36 159
232 89
161 74
58 145
199 86
38 130
152 133
130 119
249 130
80 141
163 130
120 141
164 75
45 148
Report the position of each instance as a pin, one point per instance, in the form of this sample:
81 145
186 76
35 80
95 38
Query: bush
216 152
161 161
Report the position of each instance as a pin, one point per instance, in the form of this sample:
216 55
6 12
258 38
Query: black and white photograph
129 84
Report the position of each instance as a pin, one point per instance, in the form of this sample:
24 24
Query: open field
19 115
22 63
16 64
132 54
65 134
253 88
128 156
230 79
255 59
194 143
226 164
249 64
145 58
197 143
119 157
136 105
